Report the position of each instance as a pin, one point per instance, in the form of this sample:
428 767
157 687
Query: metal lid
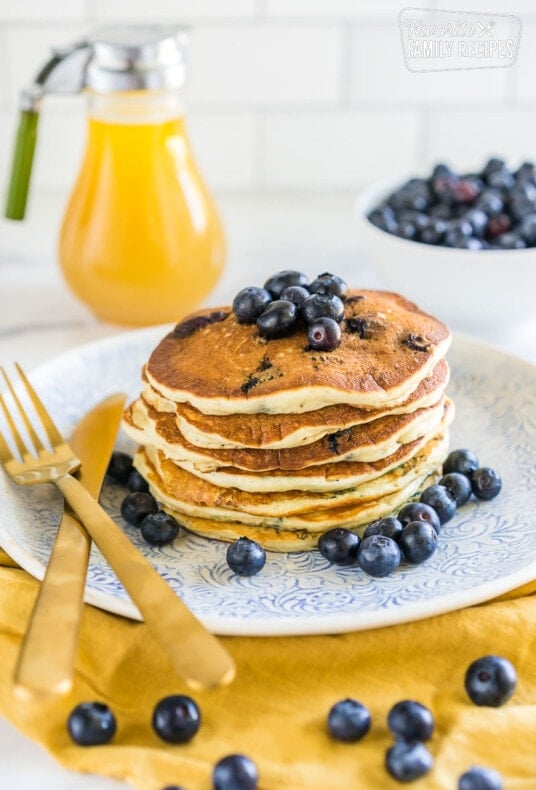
137 58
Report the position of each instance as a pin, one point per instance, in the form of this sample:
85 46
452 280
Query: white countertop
39 319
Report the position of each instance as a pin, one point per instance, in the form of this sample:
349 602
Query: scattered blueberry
119 467
407 761
91 724
159 528
277 283
418 542
339 546
322 305
463 461
490 681
249 303
278 319
176 718
348 720
296 294
235 772
324 334
136 482
418 511
458 486
486 483
441 500
136 506
378 555
245 557
329 284
390 526
479 778
411 721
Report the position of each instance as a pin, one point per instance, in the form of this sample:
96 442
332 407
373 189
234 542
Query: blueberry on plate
418 542
389 526
490 202
418 511
490 681
463 461
441 500
119 467
478 220
137 505
322 305
339 546
278 319
407 761
378 555
486 483
328 283
296 294
324 334
136 482
277 283
458 486
348 720
249 303
235 772
411 721
176 718
91 724
159 528
480 778
245 557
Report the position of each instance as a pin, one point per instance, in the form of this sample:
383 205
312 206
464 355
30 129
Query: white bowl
478 291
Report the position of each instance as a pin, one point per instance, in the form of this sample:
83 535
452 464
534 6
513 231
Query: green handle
21 168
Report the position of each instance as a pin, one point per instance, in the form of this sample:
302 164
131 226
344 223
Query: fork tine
21 447
5 453
54 436
36 441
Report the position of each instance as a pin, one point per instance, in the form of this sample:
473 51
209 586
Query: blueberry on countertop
249 303
418 542
486 483
245 557
490 681
277 283
389 526
418 511
137 505
463 461
441 500
176 718
339 546
348 721
91 724
458 486
119 467
480 778
324 334
159 528
278 319
378 555
407 760
235 772
136 482
411 721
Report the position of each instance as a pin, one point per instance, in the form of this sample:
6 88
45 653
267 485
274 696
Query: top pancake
222 367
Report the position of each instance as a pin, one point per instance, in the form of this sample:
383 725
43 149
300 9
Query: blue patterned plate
487 549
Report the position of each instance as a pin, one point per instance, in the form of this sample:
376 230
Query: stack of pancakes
268 439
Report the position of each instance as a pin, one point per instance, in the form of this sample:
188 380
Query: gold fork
197 656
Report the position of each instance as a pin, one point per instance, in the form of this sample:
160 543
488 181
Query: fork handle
197 656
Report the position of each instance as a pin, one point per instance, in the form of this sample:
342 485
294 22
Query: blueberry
468 244
442 187
324 334
466 189
176 718
460 227
406 230
441 211
284 279
384 218
478 220
278 319
417 218
418 542
441 500
479 778
486 483
249 303
410 721
490 202
510 241
490 681
348 720
378 555
463 461
389 526
235 772
296 294
245 557
526 171
329 284
527 230
119 467
520 207
407 761
497 225
418 511
339 546
441 169
160 528
458 486
322 306
493 165
91 724
136 506
434 231
501 179
136 482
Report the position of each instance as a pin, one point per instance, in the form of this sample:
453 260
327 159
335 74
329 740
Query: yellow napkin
276 710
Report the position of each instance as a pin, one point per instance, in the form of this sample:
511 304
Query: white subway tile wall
288 95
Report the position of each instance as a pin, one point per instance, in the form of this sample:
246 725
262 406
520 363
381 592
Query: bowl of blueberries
460 245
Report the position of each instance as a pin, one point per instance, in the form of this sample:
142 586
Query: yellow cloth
275 711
